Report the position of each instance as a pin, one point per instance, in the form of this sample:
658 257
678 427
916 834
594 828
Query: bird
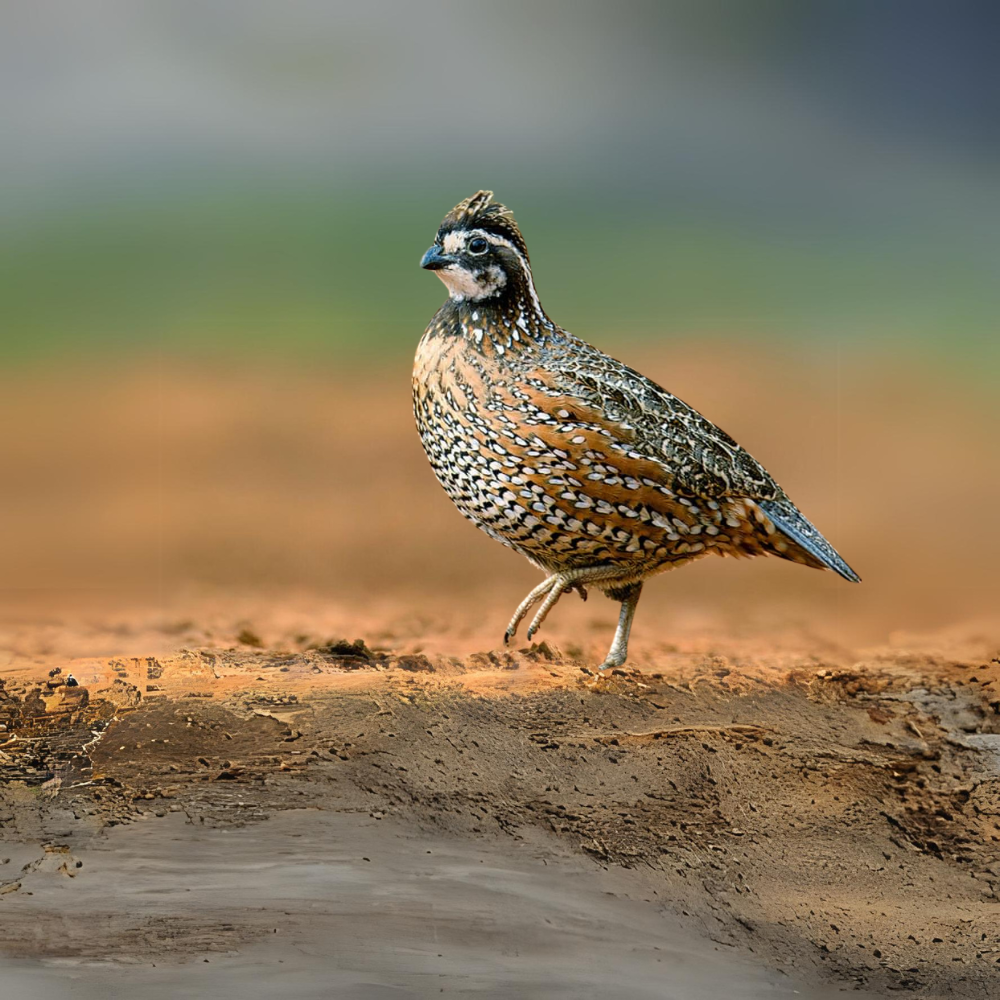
596 474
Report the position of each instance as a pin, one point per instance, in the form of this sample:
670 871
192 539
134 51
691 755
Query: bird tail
789 521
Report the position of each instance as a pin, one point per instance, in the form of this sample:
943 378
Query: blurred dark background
211 213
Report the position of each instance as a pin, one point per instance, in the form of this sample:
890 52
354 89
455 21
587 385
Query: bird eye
478 245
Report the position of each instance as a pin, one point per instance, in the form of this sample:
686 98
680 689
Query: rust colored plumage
593 472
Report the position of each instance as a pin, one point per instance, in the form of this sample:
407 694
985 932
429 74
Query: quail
595 473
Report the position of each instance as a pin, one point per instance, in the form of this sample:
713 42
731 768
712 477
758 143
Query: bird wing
698 458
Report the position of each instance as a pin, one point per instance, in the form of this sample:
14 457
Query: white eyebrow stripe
453 241
502 241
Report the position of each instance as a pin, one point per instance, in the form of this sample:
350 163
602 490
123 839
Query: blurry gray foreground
313 904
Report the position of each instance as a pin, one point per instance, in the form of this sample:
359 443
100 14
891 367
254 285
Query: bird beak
435 259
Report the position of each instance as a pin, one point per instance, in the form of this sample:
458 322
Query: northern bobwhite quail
590 470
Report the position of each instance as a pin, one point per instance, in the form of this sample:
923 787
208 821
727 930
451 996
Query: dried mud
840 823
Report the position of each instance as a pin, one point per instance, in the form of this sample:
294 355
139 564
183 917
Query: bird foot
548 592
559 588
611 663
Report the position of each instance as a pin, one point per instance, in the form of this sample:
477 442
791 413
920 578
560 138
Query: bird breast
553 478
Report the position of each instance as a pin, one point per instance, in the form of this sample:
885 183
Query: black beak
435 259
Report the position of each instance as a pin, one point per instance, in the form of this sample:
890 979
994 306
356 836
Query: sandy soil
791 772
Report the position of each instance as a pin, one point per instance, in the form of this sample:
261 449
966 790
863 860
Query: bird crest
480 211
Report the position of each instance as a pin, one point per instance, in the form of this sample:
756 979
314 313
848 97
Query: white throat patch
463 284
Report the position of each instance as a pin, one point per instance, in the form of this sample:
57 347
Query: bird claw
554 592
611 662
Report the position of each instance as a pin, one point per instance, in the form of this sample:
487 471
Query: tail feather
789 521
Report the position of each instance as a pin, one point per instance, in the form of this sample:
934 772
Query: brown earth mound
837 821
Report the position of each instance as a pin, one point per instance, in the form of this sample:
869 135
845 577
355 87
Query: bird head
479 251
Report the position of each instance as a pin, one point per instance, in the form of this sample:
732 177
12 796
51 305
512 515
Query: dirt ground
268 605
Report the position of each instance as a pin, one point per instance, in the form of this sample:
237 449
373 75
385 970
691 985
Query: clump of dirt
342 649
844 822
248 637
43 727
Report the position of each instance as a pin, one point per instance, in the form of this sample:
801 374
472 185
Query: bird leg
629 596
559 588
526 605
553 587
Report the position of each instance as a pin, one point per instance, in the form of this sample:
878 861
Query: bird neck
508 321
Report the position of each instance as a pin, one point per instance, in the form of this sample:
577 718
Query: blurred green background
244 179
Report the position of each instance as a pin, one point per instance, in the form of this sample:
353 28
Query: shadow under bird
592 471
